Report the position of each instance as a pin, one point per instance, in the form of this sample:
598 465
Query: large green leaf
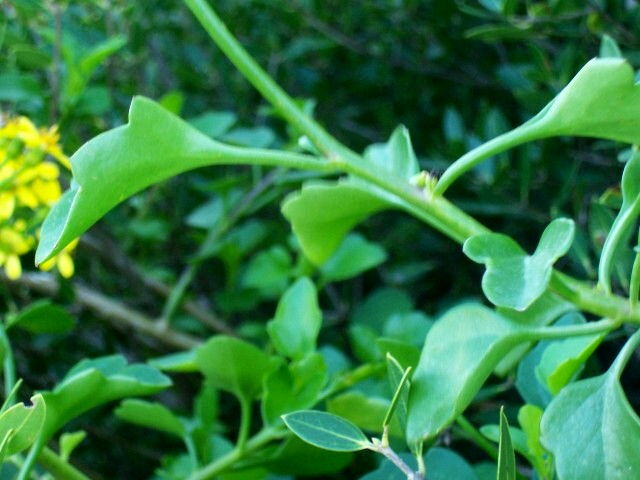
325 430
514 279
592 430
233 365
461 351
153 146
297 322
94 382
322 213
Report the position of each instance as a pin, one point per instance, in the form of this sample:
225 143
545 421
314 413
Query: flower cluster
29 185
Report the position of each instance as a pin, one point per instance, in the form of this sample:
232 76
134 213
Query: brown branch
110 310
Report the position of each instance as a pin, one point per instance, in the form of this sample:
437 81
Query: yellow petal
48 265
65 265
7 205
13 267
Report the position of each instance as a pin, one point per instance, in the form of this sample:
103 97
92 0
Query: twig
111 310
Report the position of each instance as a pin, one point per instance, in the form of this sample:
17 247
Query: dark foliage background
455 73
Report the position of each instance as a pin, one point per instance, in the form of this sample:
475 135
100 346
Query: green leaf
601 101
529 417
150 415
322 213
295 457
514 279
624 223
69 442
214 124
506 455
297 322
176 362
269 272
153 146
592 430
42 316
562 360
400 384
354 256
95 382
327 431
461 351
294 387
367 410
609 48
21 425
233 365
396 155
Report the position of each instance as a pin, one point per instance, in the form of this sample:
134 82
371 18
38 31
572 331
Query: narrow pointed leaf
325 430
514 279
461 351
506 455
400 384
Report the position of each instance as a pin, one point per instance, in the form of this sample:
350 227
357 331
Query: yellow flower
14 241
63 261
46 140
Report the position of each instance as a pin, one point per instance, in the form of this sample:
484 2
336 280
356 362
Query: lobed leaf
514 279
20 425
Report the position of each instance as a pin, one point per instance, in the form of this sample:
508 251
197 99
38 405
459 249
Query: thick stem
59 468
467 427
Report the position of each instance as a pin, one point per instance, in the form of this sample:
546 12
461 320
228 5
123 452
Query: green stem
8 365
625 354
524 133
428 206
590 328
269 89
634 285
467 427
245 424
625 220
225 462
59 468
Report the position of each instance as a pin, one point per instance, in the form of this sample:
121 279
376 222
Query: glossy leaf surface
325 430
514 279
151 415
462 349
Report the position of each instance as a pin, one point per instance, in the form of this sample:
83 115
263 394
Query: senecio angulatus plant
542 325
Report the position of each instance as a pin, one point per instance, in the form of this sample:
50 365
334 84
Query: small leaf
43 316
609 48
294 387
233 365
176 362
326 431
366 410
529 417
322 213
21 425
462 349
506 455
396 156
69 442
151 415
354 256
297 322
513 279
